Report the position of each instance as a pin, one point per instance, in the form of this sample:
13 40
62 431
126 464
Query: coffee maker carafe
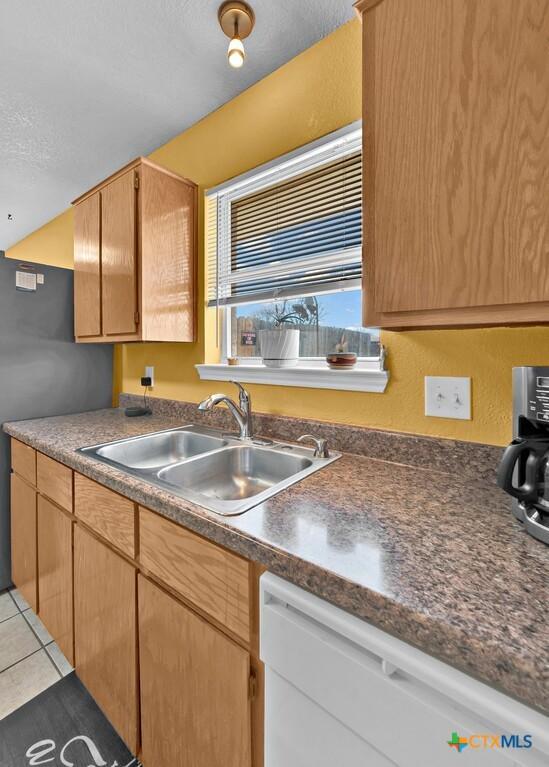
524 468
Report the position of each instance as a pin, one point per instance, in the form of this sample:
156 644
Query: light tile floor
30 661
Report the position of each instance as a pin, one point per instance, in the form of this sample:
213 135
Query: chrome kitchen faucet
242 414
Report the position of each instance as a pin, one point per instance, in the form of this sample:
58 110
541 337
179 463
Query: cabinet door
119 255
105 632
195 707
456 132
23 539
168 212
87 267
55 574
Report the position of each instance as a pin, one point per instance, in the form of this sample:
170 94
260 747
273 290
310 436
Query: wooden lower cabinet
105 632
195 683
23 540
179 691
55 574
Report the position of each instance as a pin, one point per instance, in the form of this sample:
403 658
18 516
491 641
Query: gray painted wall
42 371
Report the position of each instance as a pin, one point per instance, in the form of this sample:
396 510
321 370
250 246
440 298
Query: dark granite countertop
432 557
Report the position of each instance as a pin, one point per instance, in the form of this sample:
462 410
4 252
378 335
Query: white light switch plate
447 397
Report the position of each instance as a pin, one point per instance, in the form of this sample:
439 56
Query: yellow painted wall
315 93
51 244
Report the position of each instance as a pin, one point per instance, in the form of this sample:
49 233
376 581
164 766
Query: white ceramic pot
280 347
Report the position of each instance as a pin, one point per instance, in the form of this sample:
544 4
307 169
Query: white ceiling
86 86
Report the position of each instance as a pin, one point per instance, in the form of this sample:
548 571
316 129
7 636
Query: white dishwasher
342 693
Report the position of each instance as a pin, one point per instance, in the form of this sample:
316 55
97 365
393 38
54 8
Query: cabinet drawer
215 580
54 481
23 461
109 514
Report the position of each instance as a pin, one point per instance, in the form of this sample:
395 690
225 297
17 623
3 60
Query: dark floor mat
61 727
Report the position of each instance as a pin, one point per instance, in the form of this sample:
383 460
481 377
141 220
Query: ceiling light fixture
237 20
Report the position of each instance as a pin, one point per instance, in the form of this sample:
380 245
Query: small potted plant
279 344
341 359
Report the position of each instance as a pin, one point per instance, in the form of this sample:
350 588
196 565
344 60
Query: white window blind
290 228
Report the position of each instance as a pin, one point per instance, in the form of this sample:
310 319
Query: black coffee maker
524 468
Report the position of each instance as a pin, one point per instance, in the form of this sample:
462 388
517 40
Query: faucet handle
321 445
243 393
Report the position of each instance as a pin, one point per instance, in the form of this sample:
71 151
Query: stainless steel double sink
218 471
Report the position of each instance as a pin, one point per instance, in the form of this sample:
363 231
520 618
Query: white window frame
369 373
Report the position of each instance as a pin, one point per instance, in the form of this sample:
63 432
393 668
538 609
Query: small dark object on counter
133 412
136 410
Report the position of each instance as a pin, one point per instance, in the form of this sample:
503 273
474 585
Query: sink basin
212 469
235 472
154 451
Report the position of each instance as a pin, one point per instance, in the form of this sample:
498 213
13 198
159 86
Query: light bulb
236 53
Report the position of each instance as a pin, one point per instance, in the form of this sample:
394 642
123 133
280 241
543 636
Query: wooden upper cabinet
119 255
87 271
456 151
135 257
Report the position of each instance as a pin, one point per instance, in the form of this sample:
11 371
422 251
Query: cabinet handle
252 686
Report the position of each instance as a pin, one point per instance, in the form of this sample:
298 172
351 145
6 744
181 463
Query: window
284 247
327 321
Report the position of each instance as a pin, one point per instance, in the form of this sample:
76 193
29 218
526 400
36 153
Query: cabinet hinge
252 686
136 180
136 318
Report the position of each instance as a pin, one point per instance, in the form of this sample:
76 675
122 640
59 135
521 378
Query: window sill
366 376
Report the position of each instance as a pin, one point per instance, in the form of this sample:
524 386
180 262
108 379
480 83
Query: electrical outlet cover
149 373
448 397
